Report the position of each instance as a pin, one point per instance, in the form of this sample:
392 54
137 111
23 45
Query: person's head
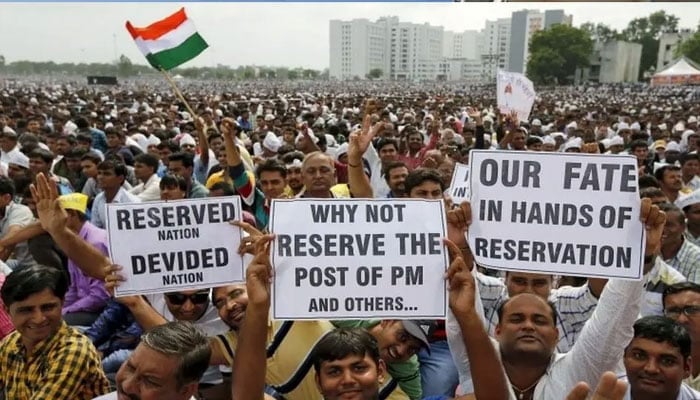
388 150
165 149
655 194
173 187
395 174
7 191
33 298
216 142
347 364
534 143
658 358
681 302
75 205
293 162
115 138
527 330
188 305
40 160
167 364
646 181
640 149
221 189
272 175
318 172
145 165
72 157
400 340
88 164
518 140
63 144
231 301
424 183
690 165
84 141
8 141
414 140
522 282
182 164
111 174
675 224
669 178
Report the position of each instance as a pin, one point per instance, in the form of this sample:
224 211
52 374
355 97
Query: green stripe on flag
171 58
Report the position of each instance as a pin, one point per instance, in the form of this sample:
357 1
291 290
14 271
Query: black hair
224 187
685 157
648 181
24 282
214 135
638 143
84 138
649 192
92 156
669 208
551 305
678 288
169 180
187 159
7 186
392 165
291 156
169 144
387 141
75 153
148 160
420 175
340 343
271 165
663 330
113 164
659 174
45 155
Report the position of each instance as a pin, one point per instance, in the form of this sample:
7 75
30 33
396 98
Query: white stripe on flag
168 41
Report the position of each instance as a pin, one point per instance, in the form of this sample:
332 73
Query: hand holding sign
248 242
112 280
654 220
458 221
45 194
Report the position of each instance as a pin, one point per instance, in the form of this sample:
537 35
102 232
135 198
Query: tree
690 48
600 32
646 31
555 53
375 73
124 66
293 74
249 73
2 61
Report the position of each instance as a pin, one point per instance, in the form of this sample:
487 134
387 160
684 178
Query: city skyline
262 34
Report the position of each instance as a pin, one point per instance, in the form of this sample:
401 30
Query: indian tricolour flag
169 42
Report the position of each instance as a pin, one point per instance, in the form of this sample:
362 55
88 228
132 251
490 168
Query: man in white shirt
167 364
111 175
145 168
527 334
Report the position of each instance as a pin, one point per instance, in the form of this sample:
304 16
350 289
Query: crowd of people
67 150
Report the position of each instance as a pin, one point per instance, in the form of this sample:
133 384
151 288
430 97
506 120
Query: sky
269 34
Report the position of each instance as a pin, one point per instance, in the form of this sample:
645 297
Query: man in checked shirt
45 359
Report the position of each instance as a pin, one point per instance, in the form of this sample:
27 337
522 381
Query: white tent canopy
683 71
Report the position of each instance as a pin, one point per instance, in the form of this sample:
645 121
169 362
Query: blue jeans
112 362
438 372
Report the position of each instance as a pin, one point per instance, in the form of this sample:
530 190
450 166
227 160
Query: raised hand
259 273
458 221
52 216
654 220
247 244
460 281
609 388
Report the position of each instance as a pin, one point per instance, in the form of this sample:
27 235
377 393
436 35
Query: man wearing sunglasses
682 304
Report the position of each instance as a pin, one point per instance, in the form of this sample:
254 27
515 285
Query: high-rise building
396 48
524 24
495 44
462 45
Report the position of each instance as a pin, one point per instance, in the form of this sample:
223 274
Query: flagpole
178 93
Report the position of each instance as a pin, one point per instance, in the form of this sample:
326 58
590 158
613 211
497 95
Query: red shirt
6 326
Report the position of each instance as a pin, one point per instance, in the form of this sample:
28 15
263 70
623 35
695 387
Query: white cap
187 139
536 122
572 125
636 127
574 143
617 141
688 200
673 146
623 126
548 140
692 119
18 158
272 142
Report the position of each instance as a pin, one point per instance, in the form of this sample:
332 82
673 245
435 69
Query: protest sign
515 93
459 187
556 213
175 245
355 258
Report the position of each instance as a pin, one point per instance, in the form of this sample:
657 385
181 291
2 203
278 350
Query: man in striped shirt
676 250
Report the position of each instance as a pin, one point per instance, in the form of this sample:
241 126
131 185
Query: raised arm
251 362
53 219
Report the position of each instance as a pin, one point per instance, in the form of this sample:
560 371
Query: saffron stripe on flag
171 58
158 28
170 40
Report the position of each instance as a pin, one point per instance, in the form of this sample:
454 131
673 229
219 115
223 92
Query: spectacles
689 311
179 299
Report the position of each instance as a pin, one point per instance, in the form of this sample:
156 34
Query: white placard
515 93
356 258
556 213
459 187
175 245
